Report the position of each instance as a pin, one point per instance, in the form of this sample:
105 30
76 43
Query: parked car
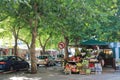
46 60
11 63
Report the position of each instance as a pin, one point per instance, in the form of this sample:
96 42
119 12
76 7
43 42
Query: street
56 73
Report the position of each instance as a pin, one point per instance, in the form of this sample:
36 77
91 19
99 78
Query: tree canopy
39 21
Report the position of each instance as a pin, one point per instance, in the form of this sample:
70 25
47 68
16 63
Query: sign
61 45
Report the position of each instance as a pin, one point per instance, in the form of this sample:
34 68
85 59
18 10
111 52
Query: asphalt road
56 73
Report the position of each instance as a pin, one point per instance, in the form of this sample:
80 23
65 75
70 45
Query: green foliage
77 19
74 19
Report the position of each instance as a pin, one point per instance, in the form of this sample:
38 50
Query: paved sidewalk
56 73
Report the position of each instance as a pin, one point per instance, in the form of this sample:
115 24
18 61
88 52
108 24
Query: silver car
45 60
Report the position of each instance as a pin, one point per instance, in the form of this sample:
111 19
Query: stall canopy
92 43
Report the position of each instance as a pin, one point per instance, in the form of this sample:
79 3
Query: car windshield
3 58
42 57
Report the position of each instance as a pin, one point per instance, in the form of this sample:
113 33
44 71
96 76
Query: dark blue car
12 63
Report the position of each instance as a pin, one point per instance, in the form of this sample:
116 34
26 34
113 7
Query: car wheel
51 64
48 64
27 68
11 69
37 65
54 64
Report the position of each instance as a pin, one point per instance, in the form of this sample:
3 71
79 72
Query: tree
15 28
25 11
99 25
82 19
25 36
3 15
44 39
111 32
74 20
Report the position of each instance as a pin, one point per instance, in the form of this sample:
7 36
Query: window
19 59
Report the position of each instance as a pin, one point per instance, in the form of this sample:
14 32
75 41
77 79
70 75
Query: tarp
94 42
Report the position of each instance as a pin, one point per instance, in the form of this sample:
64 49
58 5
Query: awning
94 42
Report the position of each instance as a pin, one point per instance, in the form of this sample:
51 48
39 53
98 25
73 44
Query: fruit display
82 62
88 71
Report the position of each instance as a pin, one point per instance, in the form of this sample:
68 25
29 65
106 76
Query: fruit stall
83 63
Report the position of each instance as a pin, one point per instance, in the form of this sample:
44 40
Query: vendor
101 58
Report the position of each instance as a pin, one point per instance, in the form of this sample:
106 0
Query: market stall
105 52
83 63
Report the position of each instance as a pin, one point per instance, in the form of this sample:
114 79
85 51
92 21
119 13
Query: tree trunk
43 46
76 46
33 25
32 52
77 41
15 34
43 50
15 47
66 47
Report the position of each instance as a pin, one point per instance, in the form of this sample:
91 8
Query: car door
14 63
21 62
